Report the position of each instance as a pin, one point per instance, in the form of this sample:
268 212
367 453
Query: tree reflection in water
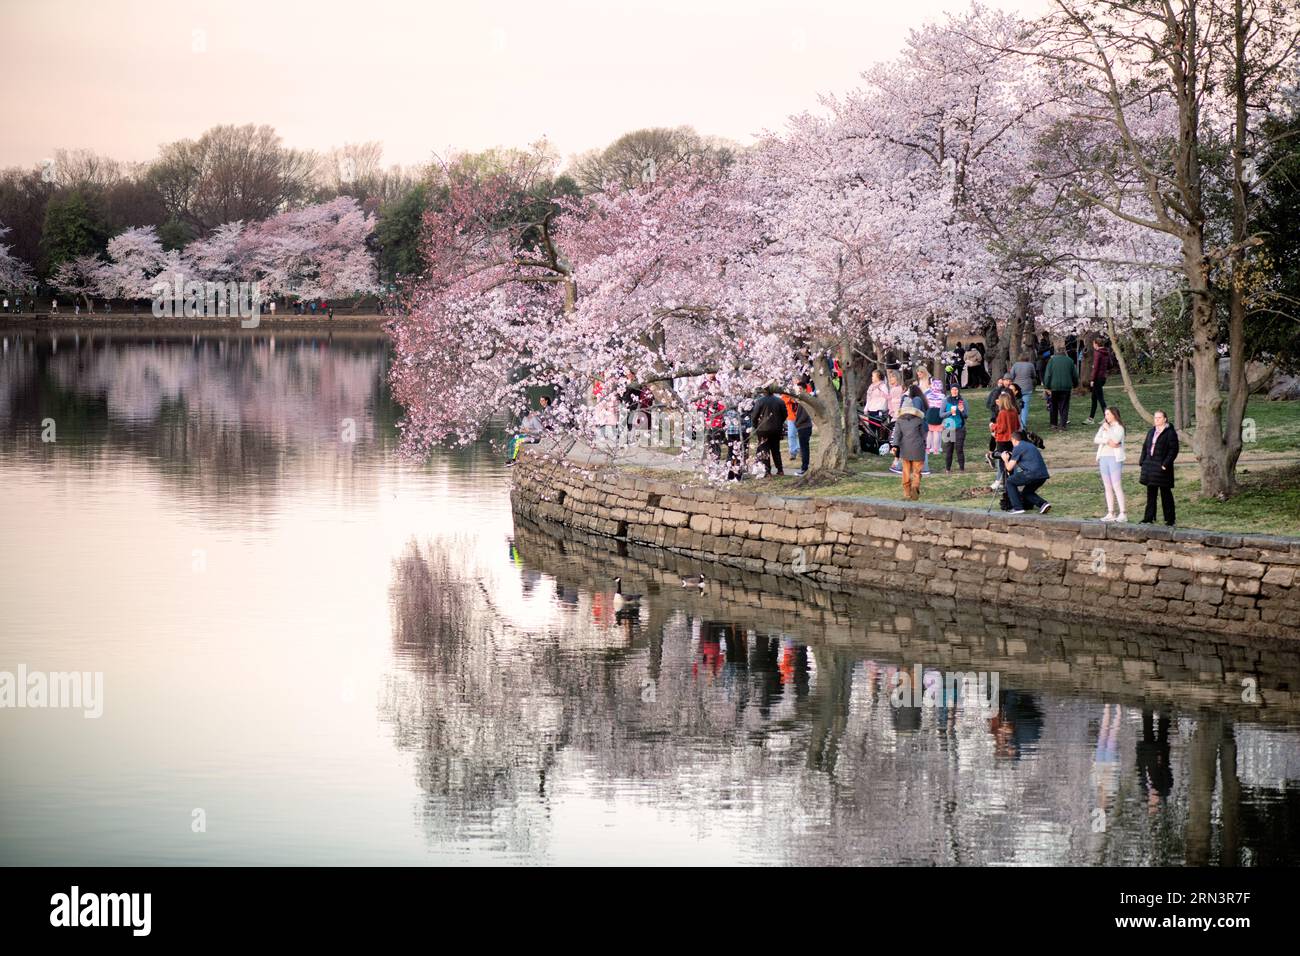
766 716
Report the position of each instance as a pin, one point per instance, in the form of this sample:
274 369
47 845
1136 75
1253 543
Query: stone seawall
1149 666
1224 583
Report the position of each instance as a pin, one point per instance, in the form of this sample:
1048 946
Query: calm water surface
341 657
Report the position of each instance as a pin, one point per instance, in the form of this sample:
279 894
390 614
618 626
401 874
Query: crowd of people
913 414
912 420
766 417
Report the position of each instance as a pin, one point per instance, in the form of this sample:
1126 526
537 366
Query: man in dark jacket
769 422
1156 467
1059 378
803 429
1003 384
1101 362
1026 473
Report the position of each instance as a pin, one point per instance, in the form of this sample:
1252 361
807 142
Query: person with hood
908 445
769 422
1101 359
1059 378
915 397
1156 468
954 429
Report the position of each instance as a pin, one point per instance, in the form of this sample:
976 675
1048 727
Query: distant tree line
70 206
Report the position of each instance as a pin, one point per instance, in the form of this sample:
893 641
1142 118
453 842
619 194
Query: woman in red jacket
1006 424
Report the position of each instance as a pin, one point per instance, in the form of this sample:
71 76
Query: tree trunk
1216 465
1230 800
828 457
1013 330
849 401
1129 390
1198 832
1179 423
992 354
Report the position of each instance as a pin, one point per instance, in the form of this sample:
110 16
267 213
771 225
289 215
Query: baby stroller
873 433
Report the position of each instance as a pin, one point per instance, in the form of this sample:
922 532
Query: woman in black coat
1156 465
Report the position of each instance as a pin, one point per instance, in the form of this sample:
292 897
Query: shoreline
37 322
1134 664
1225 583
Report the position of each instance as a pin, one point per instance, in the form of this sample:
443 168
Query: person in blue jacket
1026 473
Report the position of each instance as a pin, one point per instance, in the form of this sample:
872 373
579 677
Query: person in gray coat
908 444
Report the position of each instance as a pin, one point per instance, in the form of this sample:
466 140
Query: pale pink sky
122 76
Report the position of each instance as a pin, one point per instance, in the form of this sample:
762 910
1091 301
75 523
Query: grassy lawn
1269 471
1269 502
1276 424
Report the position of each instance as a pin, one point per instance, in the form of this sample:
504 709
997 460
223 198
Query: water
315 652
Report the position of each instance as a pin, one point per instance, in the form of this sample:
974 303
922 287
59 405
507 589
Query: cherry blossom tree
79 277
15 275
592 295
135 260
1171 85
315 252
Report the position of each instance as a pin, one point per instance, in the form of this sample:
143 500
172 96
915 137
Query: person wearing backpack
1059 378
954 429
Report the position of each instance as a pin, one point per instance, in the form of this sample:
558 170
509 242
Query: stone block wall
1141 574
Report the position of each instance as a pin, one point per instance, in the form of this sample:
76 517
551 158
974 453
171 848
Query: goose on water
693 581
621 599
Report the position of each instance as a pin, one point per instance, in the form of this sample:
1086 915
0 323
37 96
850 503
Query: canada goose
693 581
621 599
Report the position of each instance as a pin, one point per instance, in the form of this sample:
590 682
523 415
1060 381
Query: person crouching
1026 473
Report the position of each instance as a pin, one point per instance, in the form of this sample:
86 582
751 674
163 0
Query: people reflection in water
1153 766
1106 759
945 716
906 712
1017 726
567 597
710 648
